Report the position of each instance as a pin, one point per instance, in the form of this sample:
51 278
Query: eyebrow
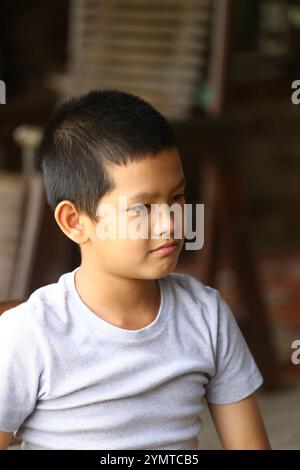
145 195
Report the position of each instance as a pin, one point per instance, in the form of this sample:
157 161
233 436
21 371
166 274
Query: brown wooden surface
8 304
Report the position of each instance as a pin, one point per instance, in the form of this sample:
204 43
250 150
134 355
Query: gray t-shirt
71 380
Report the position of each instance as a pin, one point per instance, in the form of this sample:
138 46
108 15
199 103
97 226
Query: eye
140 208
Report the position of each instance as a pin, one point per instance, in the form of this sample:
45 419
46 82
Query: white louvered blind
156 49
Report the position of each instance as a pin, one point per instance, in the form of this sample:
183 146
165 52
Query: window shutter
157 49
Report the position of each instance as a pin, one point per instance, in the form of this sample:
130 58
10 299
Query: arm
239 425
19 372
5 439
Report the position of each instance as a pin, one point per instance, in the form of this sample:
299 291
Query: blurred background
221 72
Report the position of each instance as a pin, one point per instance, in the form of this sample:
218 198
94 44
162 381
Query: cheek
138 232
131 240
134 249
123 251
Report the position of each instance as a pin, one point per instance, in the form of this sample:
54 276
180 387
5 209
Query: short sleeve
237 374
20 368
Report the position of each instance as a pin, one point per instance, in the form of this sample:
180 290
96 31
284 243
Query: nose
163 221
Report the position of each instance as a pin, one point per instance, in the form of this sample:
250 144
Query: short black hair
88 133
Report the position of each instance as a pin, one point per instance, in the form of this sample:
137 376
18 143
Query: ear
71 222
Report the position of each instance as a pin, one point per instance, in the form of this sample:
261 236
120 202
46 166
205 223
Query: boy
121 352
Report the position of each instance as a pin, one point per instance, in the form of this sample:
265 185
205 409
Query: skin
127 266
5 439
240 425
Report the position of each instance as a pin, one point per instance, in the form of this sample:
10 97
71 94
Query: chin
166 268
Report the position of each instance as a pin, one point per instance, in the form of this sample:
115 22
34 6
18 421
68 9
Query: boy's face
162 178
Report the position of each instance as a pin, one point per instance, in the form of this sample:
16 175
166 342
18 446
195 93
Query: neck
124 302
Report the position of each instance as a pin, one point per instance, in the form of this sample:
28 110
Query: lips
166 245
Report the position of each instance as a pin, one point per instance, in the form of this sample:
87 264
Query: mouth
166 248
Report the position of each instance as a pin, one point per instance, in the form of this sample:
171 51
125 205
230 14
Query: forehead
151 174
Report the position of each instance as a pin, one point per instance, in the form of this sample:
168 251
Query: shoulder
18 333
187 286
201 301
43 305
